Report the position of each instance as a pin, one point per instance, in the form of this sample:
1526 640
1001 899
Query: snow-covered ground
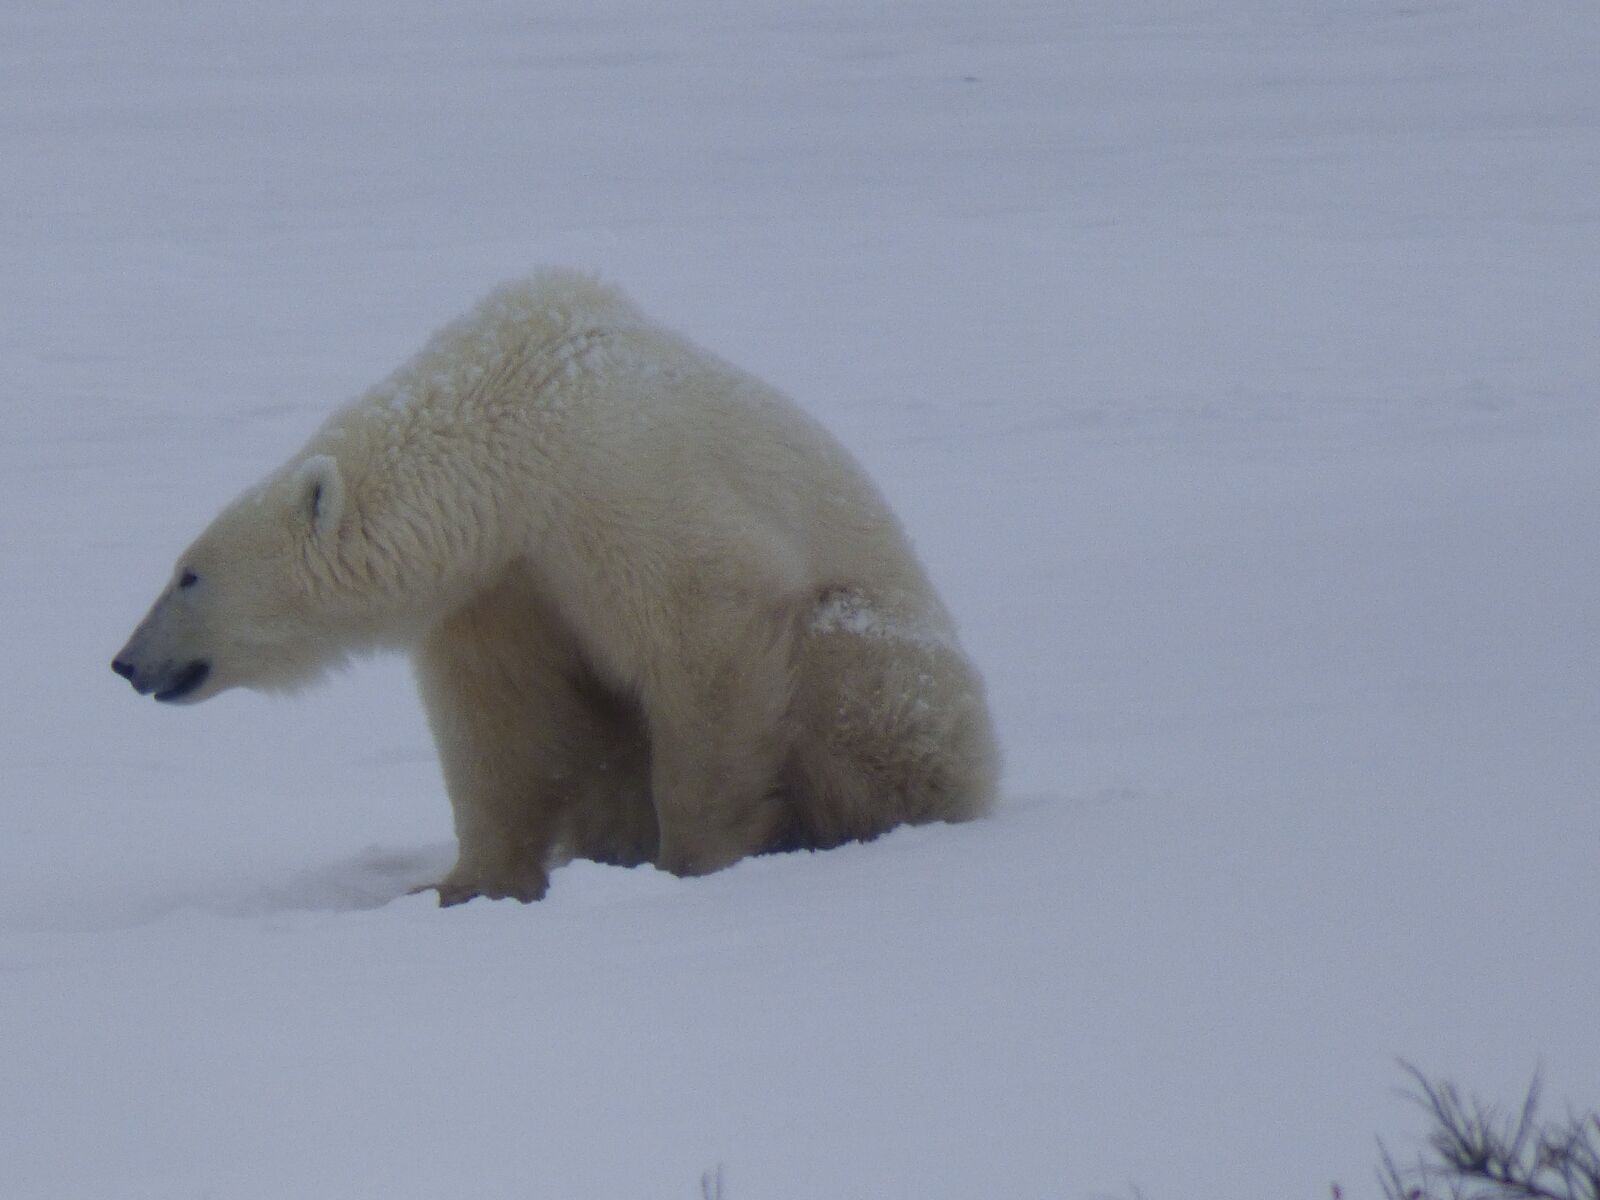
1235 366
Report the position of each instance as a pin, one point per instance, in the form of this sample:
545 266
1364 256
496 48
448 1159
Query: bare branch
1481 1153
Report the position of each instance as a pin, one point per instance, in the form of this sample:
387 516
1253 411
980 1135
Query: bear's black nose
125 669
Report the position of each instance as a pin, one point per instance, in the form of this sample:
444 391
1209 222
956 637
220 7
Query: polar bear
657 614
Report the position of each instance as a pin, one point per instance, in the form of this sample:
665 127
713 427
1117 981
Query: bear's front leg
712 808
503 811
495 705
718 739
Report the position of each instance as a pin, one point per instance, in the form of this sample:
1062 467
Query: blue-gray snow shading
1233 365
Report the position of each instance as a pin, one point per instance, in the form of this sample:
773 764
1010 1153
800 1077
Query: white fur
657 612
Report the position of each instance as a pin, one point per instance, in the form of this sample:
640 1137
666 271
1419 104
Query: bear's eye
188 579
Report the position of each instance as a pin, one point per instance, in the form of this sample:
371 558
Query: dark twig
1480 1153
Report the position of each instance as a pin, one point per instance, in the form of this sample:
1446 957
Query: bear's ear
321 490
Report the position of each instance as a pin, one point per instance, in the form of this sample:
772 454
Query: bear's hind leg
891 728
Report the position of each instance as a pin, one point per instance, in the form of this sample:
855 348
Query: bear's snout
170 681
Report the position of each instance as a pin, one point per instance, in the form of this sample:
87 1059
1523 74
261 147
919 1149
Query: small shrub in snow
1481 1152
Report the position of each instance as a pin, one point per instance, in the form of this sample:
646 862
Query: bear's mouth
187 680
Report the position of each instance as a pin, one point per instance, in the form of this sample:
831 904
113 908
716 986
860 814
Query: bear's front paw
686 859
452 893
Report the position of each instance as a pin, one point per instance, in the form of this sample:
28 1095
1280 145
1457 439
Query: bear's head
248 604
